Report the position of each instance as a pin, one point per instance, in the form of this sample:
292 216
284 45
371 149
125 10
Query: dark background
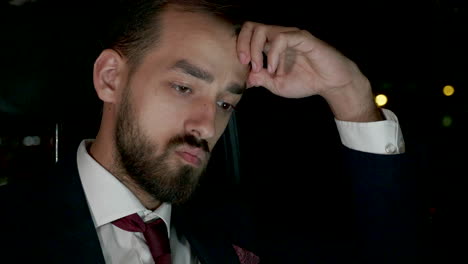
408 49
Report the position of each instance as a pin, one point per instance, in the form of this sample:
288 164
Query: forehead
176 20
202 38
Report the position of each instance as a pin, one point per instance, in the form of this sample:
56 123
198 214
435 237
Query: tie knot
155 234
134 223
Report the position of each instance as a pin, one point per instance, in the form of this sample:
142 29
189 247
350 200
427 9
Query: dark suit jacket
49 222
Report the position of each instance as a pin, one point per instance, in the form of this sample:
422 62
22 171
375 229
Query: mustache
189 140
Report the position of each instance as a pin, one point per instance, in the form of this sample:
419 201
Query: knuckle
249 24
260 31
281 37
305 33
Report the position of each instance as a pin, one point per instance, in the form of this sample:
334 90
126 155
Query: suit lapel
74 231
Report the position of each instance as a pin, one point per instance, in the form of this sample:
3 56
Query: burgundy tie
155 234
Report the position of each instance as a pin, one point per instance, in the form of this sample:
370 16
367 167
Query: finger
243 42
281 64
257 45
278 46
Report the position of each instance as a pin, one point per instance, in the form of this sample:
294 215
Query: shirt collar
108 199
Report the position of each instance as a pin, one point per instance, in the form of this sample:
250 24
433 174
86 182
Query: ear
109 75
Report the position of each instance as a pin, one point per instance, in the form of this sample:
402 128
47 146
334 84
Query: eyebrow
193 70
199 73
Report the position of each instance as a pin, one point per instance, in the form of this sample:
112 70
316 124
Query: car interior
275 152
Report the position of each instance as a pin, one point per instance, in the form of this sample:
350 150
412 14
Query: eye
181 89
226 106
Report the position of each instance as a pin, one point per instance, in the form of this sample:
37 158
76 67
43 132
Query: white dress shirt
381 137
109 200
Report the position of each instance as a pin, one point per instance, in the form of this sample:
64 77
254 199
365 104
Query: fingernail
242 57
270 69
254 66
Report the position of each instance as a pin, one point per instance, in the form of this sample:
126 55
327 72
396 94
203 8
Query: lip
193 156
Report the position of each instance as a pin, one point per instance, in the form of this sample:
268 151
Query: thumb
262 78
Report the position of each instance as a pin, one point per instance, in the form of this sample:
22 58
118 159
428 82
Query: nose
202 119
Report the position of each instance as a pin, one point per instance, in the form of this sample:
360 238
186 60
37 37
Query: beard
164 179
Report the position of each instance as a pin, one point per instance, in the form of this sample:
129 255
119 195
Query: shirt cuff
381 137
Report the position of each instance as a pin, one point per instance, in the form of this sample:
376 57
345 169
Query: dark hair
134 26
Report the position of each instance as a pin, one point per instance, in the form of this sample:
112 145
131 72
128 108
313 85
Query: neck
105 153
145 199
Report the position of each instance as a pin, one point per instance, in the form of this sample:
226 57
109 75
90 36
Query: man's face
177 104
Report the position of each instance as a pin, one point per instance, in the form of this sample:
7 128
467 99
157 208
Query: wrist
353 102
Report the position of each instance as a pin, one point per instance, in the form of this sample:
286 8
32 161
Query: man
169 82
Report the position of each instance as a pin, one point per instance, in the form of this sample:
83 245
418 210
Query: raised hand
301 65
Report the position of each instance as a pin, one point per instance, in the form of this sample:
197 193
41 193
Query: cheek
159 121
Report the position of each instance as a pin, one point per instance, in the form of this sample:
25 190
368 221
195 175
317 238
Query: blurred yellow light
448 90
381 100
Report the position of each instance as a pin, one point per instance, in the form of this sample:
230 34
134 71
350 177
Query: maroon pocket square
245 256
